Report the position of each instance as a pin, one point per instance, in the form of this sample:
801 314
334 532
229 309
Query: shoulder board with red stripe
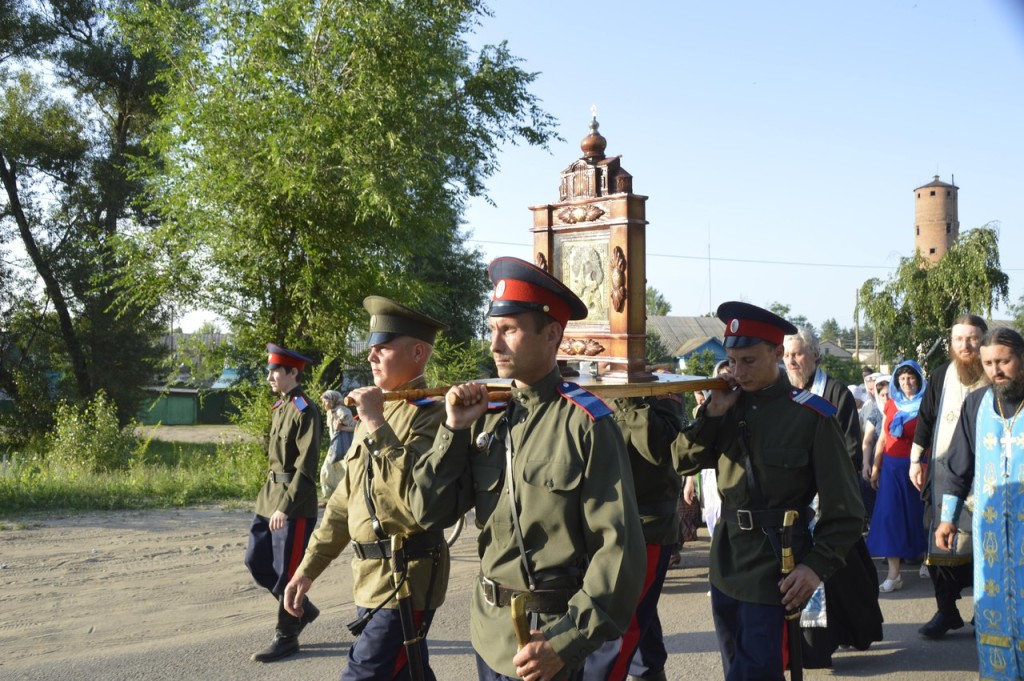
422 402
277 404
815 402
585 400
300 402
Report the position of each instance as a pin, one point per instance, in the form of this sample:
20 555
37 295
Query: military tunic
649 427
393 449
293 449
577 510
796 452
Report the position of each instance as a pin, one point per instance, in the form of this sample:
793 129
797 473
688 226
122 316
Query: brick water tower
936 225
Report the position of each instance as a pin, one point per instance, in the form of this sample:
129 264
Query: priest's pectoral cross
1007 442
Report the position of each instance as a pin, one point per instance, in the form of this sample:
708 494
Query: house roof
676 332
695 344
830 348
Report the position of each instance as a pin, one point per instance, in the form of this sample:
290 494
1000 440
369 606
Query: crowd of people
800 481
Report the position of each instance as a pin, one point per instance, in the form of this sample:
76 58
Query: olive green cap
389 319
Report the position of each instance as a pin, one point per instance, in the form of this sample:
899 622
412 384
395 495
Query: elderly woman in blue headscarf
897 526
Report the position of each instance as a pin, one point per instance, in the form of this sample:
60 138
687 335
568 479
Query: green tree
318 152
68 145
657 351
657 306
846 371
701 363
914 309
830 331
797 320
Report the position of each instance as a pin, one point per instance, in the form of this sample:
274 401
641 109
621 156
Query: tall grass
90 462
171 474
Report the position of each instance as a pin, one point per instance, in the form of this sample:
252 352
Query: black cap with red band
520 286
747 324
278 356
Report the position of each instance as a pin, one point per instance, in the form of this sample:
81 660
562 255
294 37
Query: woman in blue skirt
897 526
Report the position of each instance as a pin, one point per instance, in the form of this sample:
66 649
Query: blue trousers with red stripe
378 654
273 557
611 661
750 637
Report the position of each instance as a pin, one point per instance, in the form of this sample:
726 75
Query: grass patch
160 475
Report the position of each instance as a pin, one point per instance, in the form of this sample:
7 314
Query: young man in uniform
571 537
774 448
286 506
369 506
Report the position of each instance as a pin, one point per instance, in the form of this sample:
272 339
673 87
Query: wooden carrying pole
684 384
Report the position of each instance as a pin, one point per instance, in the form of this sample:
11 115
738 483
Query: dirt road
162 595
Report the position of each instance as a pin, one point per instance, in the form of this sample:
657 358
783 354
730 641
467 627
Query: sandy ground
164 595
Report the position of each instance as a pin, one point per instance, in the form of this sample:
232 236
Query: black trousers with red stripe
273 557
611 662
379 653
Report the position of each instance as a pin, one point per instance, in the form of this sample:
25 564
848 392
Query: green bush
89 439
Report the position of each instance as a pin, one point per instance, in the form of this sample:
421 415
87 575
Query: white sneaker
890 585
923 572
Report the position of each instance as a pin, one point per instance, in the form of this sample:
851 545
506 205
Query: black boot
286 638
309 613
940 623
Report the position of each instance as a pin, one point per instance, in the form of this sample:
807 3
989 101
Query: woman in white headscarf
340 426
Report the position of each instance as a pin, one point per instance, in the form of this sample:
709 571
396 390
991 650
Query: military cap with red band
520 286
279 356
747 324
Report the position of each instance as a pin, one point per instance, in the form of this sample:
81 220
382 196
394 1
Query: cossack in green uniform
408 434
286 505
293 451
773 447
796 451
649 427
582 551
370 506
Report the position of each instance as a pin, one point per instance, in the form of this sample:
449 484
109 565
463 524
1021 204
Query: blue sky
773 133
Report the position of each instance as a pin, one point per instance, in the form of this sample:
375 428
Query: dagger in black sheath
796 653
399 573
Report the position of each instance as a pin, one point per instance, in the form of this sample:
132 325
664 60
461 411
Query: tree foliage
74 105
846 371
657 305
657 351
785 311
316 152
913 311
701 363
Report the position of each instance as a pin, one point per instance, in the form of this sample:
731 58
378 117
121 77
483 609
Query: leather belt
770 519
555 601
280 477
418 545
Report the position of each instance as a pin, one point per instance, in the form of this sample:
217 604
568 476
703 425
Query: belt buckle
490 589
745 519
